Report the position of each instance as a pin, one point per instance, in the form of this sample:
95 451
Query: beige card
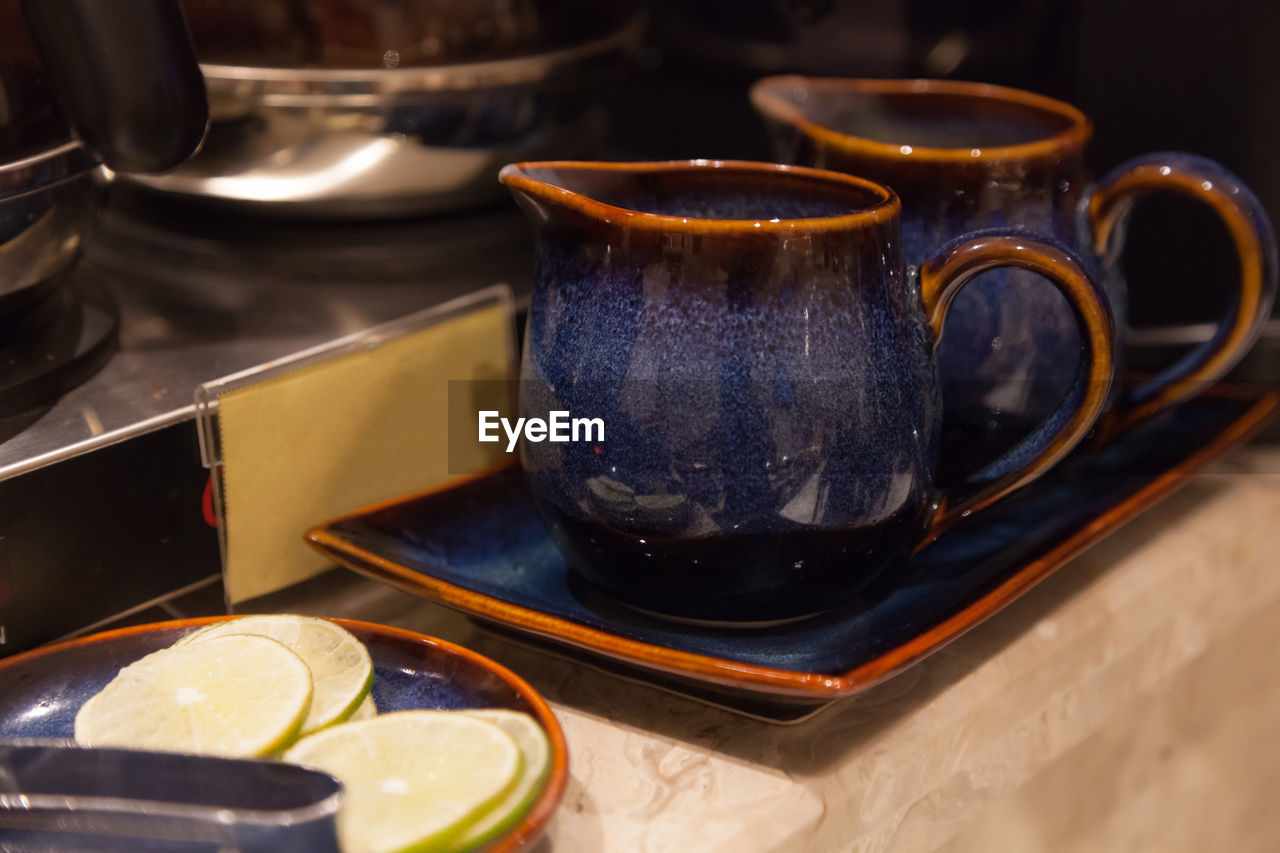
304 446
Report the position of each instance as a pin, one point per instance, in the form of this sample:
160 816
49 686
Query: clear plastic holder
207 394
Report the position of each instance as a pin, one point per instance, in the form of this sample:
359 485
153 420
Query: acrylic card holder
336 427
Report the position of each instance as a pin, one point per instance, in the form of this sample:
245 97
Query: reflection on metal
92 422
51 166
195 306
47 206
298 178
389 142
1152 347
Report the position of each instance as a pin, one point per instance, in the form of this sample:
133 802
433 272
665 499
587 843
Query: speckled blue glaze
1011 346
764 371
486 536
769 398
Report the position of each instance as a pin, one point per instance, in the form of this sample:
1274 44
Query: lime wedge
536 748
236 696
367 710
340 666
414 780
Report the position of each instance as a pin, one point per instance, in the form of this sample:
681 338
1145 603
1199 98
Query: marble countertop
1127 703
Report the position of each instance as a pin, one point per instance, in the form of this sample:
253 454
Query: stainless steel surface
198 307
1152 347
1192 333
1153 336
390 142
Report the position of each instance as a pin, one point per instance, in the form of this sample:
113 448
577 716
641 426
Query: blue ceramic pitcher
964 156
763 368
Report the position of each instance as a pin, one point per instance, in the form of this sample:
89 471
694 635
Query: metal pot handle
125 76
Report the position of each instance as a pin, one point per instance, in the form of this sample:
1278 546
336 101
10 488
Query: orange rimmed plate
41 690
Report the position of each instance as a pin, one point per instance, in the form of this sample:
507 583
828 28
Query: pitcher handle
942 277
1109 208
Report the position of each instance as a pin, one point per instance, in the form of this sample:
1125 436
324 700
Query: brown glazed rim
514 838
1071 139
885 208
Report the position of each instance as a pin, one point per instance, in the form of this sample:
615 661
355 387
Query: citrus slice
341 669
236 696
367 710
536 748
414 780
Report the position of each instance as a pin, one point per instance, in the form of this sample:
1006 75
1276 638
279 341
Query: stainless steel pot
373 142
47 207
81 84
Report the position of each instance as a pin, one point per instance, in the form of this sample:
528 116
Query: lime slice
536 748
236 696
340 666
367 710
414 780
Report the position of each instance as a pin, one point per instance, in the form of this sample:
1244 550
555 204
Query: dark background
1196 76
